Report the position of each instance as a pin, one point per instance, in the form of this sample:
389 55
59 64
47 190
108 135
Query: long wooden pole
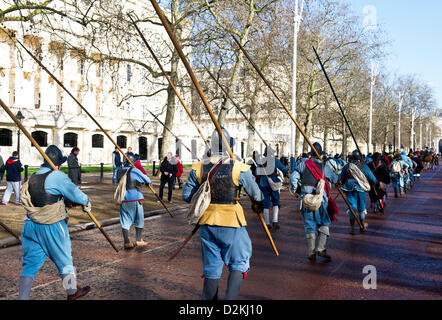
201 93
162 123
235 104
90 116
37 146
10 231
296 123
346 121
170 81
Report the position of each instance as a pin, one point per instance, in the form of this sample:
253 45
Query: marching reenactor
380 171
270 184
356 187
308 173
131 208
45 232
224 238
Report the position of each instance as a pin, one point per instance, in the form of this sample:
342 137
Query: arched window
97 141
5 137
41 137
70 140
122 141
142 147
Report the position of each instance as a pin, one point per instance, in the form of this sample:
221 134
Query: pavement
403 246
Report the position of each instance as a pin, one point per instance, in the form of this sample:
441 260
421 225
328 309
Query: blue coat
351 183
263 182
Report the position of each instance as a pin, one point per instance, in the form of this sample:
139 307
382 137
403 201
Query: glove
257 206
87 208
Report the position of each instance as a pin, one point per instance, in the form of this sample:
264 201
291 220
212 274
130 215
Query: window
70 140
129 73
97 141
194 149
122 141
41 137
178 147
5 137
160 147
142 147
82 67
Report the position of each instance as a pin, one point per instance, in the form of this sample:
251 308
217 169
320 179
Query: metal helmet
56 156
356 155
131 157
318 148
216 143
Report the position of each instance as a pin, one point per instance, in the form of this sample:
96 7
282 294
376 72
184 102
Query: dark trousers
170 185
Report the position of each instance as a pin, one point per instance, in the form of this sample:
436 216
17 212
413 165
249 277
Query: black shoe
312 257
275 225
269 226
324 255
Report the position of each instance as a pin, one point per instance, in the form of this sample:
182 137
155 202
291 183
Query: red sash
332 208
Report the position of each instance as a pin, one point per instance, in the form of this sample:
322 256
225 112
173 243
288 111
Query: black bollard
26 172
101 171
153 169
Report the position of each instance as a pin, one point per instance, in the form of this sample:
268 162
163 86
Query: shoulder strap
214 169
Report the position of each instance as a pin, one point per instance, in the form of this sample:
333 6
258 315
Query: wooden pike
170 82
90 116
295 122
235 104
37 146
346 121
203 98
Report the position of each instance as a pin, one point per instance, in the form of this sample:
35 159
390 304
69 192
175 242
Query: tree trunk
168 142
226 104
251 131
344 140
325 147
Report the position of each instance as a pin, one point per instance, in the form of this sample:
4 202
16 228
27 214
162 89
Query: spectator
13 179
129 152
74 172
168 169
179 172
138 164
2 168
116 164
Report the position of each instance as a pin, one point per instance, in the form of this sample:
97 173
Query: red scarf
332 208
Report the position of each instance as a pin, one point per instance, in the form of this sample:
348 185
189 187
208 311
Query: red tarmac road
404 245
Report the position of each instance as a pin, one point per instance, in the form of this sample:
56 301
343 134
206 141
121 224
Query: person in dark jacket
117 164
13 179
168 169
2 168
74 172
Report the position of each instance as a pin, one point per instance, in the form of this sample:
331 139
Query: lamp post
394 137
297 22
20 117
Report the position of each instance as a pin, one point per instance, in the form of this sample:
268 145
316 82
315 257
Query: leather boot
80 293
352 227
311 244
210 290
234 284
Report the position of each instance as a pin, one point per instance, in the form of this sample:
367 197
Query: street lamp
20 117
394 137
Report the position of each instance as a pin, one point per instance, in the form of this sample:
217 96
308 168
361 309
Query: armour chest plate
222 188
39 196
307 177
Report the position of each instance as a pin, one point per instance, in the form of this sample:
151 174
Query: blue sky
415 29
